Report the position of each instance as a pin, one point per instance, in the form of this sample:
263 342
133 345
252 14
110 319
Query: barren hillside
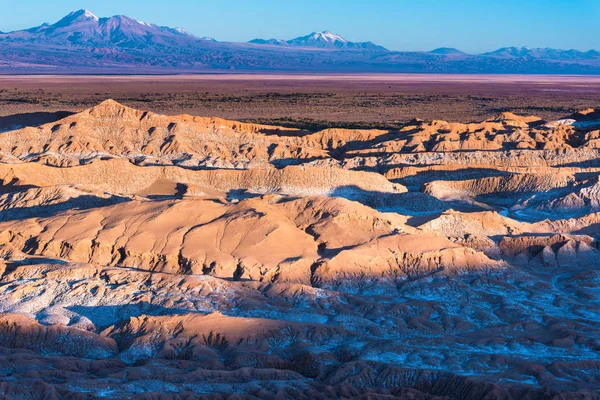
145 255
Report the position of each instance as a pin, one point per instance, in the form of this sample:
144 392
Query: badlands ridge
158 256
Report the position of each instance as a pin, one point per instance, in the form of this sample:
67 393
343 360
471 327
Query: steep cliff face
141 254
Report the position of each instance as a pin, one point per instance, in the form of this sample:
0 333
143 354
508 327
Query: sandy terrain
150 255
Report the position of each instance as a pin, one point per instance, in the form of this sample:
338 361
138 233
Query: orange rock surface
156 256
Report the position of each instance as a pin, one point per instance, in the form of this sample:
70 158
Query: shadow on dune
12 265
591 163
141 162
281 163
507 198
407 203
84 202
17 121
241 194
590 230
34 261
422 177
367 144
105 316
284 133
177 192
13 186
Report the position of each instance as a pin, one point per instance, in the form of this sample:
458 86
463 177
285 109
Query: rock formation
155 256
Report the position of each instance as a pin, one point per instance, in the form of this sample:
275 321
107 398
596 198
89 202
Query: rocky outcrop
20 332
122 177
249 240
147 256
114 130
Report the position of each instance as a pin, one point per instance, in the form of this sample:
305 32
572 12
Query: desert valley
148 254
307 218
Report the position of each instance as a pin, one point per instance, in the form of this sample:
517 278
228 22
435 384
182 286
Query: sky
469 25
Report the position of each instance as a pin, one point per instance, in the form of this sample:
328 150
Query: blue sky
473 26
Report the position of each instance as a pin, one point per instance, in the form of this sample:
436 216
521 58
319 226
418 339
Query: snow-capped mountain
81 42
77 16
84 28
322 40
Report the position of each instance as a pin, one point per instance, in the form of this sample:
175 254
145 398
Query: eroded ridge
145 255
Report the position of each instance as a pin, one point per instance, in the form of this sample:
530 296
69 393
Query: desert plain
368 98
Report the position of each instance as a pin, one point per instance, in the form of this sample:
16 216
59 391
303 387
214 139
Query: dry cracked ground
149 256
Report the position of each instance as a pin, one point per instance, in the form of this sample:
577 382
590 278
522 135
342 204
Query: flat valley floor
375 100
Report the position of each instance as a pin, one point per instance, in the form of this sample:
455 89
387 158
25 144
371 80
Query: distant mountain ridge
81 42
447 51
84 28
322 40
543 53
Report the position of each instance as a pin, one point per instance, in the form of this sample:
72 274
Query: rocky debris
171 331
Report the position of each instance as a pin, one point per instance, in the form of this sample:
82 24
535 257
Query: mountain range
83 43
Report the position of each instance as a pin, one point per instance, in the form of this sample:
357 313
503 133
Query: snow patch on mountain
327 36
323 40
90 15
